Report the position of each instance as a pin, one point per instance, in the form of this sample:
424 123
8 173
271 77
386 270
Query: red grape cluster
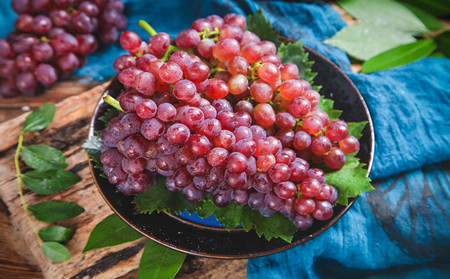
53 38
220 116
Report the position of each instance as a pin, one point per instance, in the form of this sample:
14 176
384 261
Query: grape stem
45 39
149 29
171 50
205 34
216 69
19 186
144 25
112 102
253 70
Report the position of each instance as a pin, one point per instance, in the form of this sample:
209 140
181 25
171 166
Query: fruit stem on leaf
113 102
19 185
144 25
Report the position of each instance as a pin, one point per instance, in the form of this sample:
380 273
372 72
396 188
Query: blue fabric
399 230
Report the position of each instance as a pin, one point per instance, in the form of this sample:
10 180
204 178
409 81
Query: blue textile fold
399 230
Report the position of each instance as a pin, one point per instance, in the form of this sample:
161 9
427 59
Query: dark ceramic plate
201 240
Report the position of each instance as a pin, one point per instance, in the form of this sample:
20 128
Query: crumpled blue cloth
399 230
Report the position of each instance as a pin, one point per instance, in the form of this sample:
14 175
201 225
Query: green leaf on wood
327 106
55 251
443 42
40 118
159 262
350 181
259 25
43 157
399 56
386 13
430 21
294 53
110 231
54 211
50 181
365 41
56 234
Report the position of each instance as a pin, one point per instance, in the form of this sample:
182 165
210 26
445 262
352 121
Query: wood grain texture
75 107
67 133
13 107
13 264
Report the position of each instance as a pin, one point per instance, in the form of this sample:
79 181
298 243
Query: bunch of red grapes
52 39
220 116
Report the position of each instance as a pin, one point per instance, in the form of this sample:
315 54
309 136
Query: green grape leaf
108 115
158 198
259 25
40 118
443 42
350 181
327 106
92 145
430 21
43 157
355 128
387 13
110 231
56 234
159 262
364 41
276 226
54 211
295 53
205 209
55 251
50 181
399 56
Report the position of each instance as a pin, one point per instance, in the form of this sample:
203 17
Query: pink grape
312 125
337 130
349 144
304 205
310 187
217 157
285 190
335 159
323 210
226 50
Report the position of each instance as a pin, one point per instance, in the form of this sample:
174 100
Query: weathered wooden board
67 133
